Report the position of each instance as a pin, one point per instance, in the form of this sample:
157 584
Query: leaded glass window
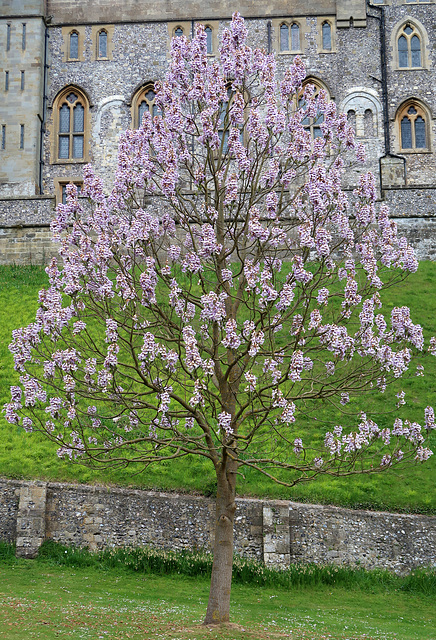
312 124
178 32
74 45
326 36
208 31
284 37
145 102
409 48
295 37
413 128
102 44
71 127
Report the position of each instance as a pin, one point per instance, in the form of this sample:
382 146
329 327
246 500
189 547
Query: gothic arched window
293 43
208 31
313 124
144 102
73 45
413 128
71 112
326 36
409 47
102 44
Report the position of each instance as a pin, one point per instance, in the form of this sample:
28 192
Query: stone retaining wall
276 532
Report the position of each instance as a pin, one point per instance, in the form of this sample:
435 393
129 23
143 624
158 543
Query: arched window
73 45
351 117
368 124
102 44
143 102
292 44
409 47
71 110
295 37
178 32
284 37
326 36
313 124
413 128
208 31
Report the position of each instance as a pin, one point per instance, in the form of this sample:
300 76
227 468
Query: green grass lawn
45 601
30 456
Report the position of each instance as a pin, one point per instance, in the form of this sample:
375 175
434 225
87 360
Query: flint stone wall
276 532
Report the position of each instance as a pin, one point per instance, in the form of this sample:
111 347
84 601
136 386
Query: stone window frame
423 111
61 182
321 20
95 32
66 32
187 32
359 100
137 98
289 22
319 85
422 34
57 103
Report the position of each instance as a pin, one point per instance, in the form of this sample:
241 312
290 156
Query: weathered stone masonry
276 532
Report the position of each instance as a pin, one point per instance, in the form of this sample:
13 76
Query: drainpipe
44 111
384 83
268 30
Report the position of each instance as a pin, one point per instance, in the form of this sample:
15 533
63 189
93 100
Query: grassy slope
29 456
45 601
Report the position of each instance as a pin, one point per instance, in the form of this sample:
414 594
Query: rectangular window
3 136
6 80
23 37
21 136
64 191
8 37
22 81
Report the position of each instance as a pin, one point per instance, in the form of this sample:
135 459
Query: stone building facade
74 74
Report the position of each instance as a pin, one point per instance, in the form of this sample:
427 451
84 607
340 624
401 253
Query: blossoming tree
213 321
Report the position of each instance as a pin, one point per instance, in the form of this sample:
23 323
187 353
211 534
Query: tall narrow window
22 80
3 136
284 37
23 37
6 80
368 124
326 36
295 37
21 136
102 44
413 128
409 48
71 111
8 36
351 117
74 45
144 102
178 32
208 31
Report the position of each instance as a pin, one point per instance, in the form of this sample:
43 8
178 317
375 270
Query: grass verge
47 599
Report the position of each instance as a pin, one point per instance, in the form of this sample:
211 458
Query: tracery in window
73 48
413 127
102 44
71 109
143 102
312 124
409 47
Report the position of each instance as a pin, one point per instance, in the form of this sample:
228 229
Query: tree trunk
218 608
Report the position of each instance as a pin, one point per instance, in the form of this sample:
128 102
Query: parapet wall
276 532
